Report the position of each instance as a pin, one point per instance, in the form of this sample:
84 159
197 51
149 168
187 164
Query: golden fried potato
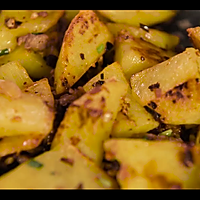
137 17
171 88
154 164
88 120
83 44
33 62
158 38
132 120
194 34
23 113
42 89
13 71
59 168
135 55
18 143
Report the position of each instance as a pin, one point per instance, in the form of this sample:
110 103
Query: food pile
97 99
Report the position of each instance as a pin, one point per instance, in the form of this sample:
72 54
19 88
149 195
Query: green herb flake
100 48
35 164
167 132
4 52
37 33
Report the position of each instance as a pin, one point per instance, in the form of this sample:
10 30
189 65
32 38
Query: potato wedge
33 62
13 71
22 113
176 100
144 167
88 121
194 34
18 143
135 17
158 38
132 120
83 44
134 54
59 168
42 89
178 69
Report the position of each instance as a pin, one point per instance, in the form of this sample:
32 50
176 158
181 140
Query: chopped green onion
167 132
37 33
35 164
4 52
100 48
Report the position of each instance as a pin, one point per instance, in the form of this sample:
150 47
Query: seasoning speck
154 86
67 161
82 56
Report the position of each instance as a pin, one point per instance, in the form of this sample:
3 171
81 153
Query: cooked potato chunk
132 119
18 143
135 17
33 62
88 120
111 70
83 44
175 100
8 40
13 71
42 89
154 164
22 113
134 54
180 105
178 69
63 168
156 37
194 34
